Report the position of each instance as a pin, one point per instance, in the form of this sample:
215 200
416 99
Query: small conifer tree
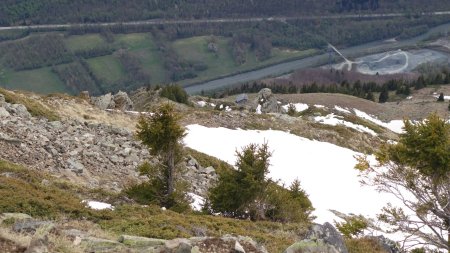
162 134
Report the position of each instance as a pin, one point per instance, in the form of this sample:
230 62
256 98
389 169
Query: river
313 61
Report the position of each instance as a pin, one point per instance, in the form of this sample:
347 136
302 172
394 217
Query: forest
24 12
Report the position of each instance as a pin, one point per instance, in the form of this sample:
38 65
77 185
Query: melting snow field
335 120
395 126
326 171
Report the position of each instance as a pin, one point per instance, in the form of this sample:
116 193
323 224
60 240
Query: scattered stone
38 245
93 244
18 110
238 248
307 246
2 100
85 95
30 226
3 112
75 166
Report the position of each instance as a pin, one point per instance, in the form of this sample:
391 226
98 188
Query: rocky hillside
56 151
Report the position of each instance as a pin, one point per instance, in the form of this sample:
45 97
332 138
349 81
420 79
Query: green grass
363 245
84 42
34 108
107 68
41 80
134 41
143 47
195 49
22 191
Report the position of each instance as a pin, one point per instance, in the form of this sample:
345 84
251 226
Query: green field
107 68
111 75
84 42
41 80
195 49
143 47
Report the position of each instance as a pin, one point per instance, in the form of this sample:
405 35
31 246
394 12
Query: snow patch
395 126
319 106
198 201
201 103
299 107
340 109
96 205
334 120
326 171
258 109
445 97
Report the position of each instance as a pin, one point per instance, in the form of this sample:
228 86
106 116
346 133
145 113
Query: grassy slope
143 46
84 42
34 107
221 63
109 69
41 80
23 191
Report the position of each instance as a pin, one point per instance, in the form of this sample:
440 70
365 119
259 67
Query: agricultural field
41 80
85 42
114 62
221 63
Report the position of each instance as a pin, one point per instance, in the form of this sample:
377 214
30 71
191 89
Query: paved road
219 20
282 68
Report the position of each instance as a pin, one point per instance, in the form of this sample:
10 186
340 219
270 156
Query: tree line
22 12
360 89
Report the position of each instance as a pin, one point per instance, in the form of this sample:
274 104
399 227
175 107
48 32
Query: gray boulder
122 101
2 100
103 102
267 101
18 110
178 246
85 95
75 166
329 235
4 113
30 226
388 245
93 244
320 239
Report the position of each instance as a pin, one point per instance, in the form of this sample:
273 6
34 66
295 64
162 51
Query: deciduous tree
416 170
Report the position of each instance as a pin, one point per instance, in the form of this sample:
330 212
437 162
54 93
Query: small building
241 99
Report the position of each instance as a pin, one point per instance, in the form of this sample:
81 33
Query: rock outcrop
91 154
120 101
200 178
267 102
320 238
